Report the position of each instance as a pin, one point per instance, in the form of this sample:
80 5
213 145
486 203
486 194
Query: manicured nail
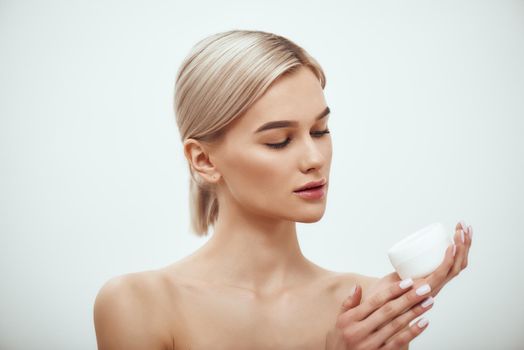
463 224
424 289
423 321
454 249
406 283
427 302
470 230
462 236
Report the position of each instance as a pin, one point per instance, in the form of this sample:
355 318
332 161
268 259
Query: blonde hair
220 78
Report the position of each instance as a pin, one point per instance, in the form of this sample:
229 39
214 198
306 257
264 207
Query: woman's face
262 178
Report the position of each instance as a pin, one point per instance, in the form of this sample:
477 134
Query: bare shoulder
127 313
366 282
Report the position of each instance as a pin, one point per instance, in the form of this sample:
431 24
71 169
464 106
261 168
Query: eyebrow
287 123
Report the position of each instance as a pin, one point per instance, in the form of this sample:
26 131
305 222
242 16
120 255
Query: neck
252 252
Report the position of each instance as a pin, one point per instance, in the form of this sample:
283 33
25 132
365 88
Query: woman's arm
123 318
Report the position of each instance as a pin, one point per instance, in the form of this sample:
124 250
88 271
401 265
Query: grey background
427 106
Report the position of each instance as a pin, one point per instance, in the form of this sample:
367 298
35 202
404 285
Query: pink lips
311 184
312 193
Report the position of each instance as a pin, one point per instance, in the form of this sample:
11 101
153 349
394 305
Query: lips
311 185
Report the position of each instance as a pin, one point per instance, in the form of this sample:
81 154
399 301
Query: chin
309 220
312 217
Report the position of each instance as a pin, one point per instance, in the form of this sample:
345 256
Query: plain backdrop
427 102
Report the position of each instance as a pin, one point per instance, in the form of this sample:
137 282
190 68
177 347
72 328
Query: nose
312 156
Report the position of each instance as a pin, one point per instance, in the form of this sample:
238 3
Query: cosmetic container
420 253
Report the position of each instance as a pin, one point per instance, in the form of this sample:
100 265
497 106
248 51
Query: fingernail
470 229
463 224
462 236
427 302
454 249
406 283
353 292
423 321
424 289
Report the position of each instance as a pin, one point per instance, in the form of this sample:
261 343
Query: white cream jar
420 253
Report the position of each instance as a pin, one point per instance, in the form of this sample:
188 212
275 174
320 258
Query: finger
460 240
440 276
380 298
462 232
461 225
469 238
396 307
403 338
467 241
397 325
468 234
353 300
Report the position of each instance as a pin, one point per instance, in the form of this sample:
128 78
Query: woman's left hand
448 269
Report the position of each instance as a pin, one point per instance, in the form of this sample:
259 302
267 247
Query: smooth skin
249 286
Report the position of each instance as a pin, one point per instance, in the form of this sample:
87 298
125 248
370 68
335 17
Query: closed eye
317 134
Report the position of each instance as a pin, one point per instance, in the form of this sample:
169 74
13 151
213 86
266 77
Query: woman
254 125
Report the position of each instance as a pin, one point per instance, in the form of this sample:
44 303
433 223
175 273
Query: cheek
258 172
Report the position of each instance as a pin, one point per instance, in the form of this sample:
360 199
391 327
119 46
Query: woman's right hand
380 321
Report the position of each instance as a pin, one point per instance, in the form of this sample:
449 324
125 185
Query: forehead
298 96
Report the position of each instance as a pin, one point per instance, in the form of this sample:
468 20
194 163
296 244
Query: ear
199 160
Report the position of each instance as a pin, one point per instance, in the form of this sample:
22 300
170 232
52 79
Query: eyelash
285 143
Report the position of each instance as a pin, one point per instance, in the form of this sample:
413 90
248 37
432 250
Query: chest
221 320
